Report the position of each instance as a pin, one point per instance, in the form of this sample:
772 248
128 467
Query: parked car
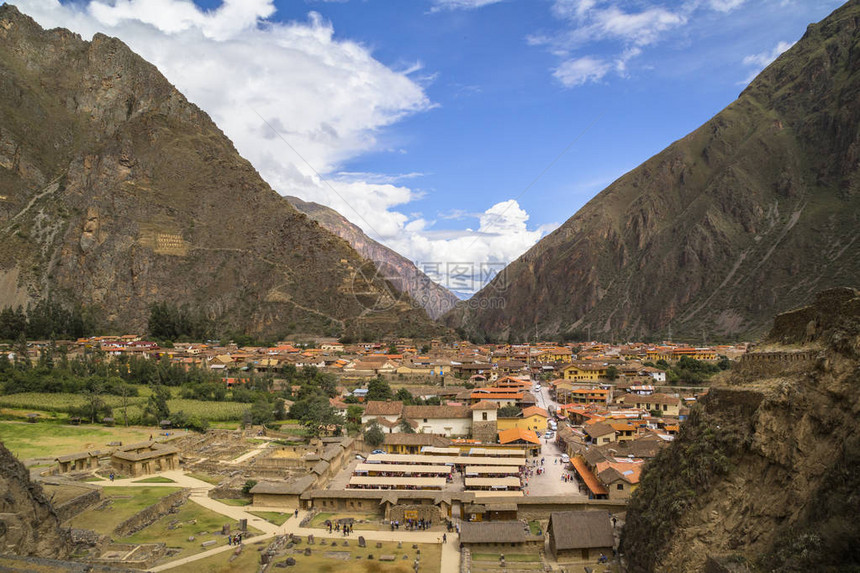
549 435
359 457
378 452
565 459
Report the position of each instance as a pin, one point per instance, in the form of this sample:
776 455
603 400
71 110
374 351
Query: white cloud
625 27
763 59
581 70
439 5
297 103
725 5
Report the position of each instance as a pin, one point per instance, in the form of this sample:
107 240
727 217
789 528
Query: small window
620 486
484 415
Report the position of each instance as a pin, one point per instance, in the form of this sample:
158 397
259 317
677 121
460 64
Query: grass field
126 502
51 440
154 479
357 561
214 480
248 560
276 517
175 529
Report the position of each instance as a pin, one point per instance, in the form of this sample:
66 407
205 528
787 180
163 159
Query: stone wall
149 515
431 512
485 431
76 505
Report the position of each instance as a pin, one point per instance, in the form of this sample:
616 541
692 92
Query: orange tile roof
514 434
532 410
591 481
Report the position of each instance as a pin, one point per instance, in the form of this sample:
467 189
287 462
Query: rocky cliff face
764 476
402 273
28 523
748 216
117 192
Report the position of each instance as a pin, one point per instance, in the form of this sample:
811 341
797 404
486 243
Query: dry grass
48 440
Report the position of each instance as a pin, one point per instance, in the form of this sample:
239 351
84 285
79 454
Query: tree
249 485
392 348
262 412
280 409
378 389
373 435
353 414
425 349
404 396
406 427
94 402
156 405
509 411
612 373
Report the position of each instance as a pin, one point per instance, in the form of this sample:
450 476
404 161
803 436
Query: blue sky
427 122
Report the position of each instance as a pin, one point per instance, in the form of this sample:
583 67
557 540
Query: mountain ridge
404 275
118 193
748 215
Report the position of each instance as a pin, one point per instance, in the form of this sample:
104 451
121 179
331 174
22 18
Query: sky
457 132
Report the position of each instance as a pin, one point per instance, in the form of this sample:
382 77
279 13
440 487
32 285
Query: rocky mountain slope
116 192
404 275
28 523
747 216
765 474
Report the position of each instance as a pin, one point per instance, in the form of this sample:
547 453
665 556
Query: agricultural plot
51 405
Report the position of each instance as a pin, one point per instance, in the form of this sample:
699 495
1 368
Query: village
503 457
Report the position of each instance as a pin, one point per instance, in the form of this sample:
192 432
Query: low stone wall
425 512
76 505
149 515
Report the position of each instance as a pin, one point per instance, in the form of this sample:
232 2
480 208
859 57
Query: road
551 482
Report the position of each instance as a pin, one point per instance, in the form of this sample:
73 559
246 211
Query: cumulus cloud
628 27
763 59
296 102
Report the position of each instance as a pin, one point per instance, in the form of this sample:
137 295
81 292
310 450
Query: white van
565 459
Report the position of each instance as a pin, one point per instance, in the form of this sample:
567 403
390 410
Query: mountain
747 216
28 523
116 192
765 472
400 271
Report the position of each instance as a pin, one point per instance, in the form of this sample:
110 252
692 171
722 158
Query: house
78 462
599 433
282 494
584 371
382 411
620 478
144 458
518 436
624 431
499 537
663 403
580 535
485 421
411 444
443 420
532 418
595 489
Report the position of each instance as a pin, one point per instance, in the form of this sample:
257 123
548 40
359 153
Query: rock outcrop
28 523
765 473
116 192
748 216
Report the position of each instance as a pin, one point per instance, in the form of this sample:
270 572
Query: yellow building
584 372
533 418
